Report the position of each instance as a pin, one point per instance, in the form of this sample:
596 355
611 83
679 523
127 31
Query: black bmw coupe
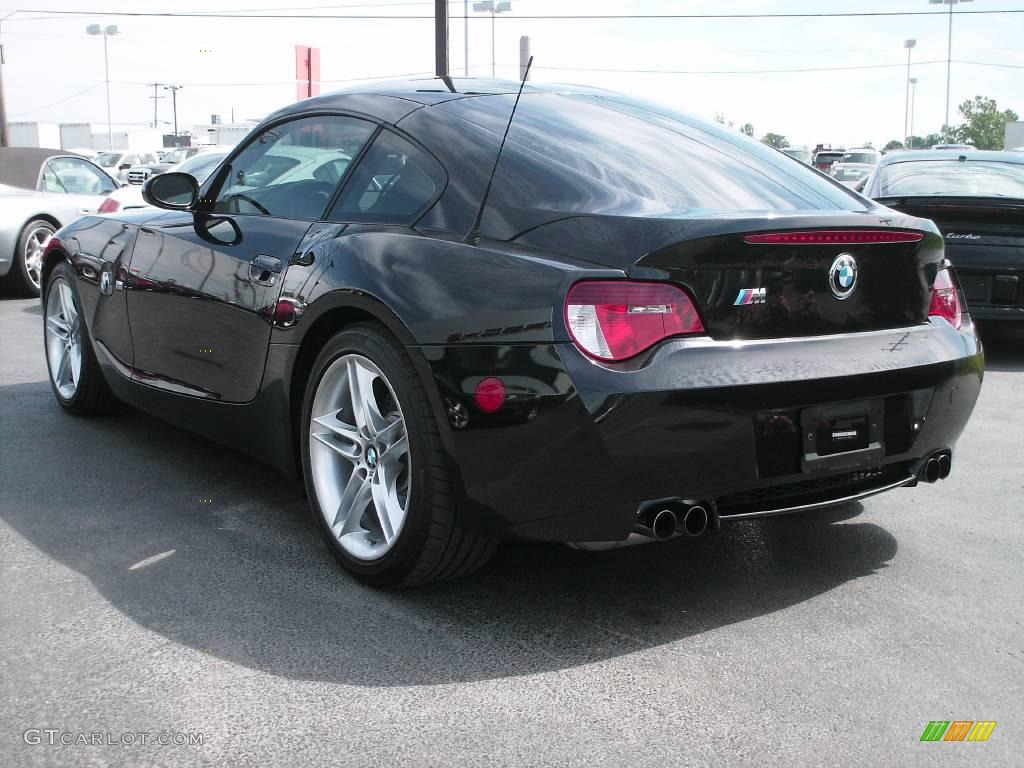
652 325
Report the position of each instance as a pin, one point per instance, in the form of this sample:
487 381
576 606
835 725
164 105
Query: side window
393 182
292 170
51 183
78 177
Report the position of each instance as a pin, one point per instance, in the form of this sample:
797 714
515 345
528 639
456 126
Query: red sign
307 72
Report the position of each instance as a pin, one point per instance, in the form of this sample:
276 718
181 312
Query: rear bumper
579 447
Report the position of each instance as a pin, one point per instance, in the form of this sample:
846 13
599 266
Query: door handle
264 269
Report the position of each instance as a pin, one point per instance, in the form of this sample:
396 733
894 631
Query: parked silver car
41 190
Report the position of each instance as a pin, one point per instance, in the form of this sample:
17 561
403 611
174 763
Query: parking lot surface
153 582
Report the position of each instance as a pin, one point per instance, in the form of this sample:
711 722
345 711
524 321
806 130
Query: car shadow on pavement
216 553
1004 347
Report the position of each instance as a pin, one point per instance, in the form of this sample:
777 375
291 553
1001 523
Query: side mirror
174 191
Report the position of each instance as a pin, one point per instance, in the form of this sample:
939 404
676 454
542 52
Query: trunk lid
747 290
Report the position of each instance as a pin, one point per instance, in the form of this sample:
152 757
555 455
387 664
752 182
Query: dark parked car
654 326
977 200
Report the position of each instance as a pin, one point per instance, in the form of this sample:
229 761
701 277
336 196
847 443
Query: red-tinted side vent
835 237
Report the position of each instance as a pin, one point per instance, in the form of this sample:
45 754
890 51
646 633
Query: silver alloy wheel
359 456
63 339
35 244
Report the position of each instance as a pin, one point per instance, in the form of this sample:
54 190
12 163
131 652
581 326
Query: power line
528 17
61 101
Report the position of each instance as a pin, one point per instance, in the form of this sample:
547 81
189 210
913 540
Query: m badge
749 296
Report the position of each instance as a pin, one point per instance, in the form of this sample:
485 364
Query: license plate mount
842 436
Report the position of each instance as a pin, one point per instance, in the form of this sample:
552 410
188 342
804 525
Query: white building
84 136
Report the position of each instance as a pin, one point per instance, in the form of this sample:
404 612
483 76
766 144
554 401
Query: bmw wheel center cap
842 276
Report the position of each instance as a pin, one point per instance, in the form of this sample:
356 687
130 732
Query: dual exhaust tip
662 524
936 467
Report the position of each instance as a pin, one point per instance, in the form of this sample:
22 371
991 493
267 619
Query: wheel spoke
56 326
391 433
383 509
360 499
365 411
395 452
62 369
75 363
340 437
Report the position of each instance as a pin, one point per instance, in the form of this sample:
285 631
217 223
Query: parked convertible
652 325
41 190
977 200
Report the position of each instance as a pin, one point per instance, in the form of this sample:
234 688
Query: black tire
19 280
92 396
432 543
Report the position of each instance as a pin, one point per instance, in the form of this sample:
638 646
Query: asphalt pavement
154 585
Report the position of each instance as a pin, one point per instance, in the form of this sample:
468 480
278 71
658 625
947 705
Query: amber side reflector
835 237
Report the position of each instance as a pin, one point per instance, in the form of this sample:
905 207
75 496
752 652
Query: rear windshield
952 177
604 153
861 157
827 157
799 154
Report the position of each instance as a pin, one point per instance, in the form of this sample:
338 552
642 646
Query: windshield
953 178
108 159
201 166
861 157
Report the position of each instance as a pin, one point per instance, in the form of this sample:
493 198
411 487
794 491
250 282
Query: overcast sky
247 65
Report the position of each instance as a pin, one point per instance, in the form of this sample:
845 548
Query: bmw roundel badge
842 276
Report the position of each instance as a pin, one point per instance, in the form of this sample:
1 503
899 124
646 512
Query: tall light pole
107 31
949 58
910 136
465 27
494 8
909 45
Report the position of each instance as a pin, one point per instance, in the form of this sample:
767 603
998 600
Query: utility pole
174 105
5 140
155 98
910 136
465 22
949 58
493 7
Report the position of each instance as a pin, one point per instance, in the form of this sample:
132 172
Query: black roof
391 100
20 166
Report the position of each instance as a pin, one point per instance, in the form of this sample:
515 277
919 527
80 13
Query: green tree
984 125
894 144
776 140
748 129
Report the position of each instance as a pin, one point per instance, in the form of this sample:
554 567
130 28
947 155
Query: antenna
474 233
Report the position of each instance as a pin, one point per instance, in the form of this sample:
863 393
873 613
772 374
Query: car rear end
770 344
823 160
978 204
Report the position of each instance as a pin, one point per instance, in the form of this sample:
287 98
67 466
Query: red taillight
109 206
946 299
615 320
836 237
